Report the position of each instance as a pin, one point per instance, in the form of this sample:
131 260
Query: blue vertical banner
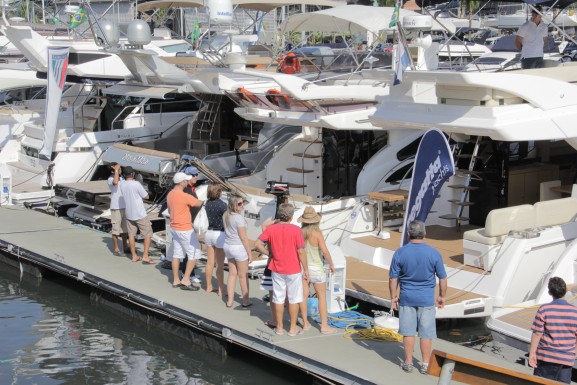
433 166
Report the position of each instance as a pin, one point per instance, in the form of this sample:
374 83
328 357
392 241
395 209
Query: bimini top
257 5
561 4
352 18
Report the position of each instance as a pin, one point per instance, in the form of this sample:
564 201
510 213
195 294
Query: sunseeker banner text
433 165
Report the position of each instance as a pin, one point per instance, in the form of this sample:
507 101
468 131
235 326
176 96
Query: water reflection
52 334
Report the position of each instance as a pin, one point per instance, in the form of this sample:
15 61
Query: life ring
278 98
248 96
289 64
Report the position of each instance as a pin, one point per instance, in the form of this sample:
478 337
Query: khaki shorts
143 225
118 220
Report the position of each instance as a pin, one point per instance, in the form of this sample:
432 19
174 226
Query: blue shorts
413 319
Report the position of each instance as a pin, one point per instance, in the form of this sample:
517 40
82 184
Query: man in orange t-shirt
184 240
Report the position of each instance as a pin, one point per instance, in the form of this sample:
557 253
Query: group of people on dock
296 257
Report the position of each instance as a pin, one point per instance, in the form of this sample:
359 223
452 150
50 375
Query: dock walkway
86 255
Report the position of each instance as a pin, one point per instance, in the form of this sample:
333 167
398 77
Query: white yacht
499 242
22 98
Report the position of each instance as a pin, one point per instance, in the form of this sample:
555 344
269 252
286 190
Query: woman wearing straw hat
314 246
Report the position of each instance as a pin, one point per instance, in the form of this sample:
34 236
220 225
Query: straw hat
309 216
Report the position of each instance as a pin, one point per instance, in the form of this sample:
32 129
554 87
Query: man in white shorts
184 240
117 214
288 265
136 217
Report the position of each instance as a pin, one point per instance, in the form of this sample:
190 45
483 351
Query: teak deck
368 279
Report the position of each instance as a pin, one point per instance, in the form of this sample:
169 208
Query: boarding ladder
465 187
203 133
212 56
90 111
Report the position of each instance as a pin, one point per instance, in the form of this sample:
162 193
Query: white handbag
200 224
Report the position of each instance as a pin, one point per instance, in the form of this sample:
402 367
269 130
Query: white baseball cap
180 177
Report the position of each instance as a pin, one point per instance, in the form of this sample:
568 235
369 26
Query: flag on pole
195 33
401 62
57 66
433 166
78 18
394 16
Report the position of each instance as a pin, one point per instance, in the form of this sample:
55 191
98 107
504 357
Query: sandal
148 262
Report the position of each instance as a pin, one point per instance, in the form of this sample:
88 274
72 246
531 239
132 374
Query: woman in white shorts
214 237
236 249
314 245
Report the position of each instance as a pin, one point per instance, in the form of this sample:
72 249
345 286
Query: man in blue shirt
414 268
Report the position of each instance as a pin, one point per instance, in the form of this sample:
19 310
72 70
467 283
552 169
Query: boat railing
139 110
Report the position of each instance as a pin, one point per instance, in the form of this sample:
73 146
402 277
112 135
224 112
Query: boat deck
522 318
367 281
85 255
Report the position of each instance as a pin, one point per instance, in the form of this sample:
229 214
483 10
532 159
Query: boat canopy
257 5
561 4
352 18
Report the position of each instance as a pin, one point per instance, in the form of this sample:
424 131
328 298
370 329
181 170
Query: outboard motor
280 190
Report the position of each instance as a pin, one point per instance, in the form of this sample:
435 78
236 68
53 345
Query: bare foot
209 289
136 259
307 326
327 330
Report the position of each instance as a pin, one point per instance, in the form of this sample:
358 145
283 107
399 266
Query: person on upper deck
553 342
414 268
530 40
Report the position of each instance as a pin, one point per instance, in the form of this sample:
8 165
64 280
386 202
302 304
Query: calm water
52 334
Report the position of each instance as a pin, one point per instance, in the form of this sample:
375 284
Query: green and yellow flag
78 18
394 17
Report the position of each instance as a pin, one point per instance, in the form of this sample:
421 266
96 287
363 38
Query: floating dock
32 240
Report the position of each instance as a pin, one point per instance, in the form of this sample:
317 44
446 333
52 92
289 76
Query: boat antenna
4 14
402 38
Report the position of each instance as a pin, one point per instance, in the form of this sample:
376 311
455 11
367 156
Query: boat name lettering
223 13
139 159
434 174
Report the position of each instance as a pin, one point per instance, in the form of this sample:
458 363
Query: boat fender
387 321
278 98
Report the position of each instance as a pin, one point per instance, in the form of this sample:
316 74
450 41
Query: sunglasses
240 203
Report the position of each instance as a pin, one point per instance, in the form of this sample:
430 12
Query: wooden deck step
453 217
463 187
299 170
308 156
460 203
471 371
296 185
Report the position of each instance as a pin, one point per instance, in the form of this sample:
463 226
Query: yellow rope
376 333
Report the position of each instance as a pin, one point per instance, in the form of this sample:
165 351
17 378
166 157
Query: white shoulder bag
200 224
